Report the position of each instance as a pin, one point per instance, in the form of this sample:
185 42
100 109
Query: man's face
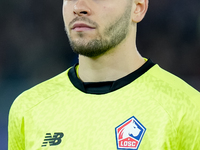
96 26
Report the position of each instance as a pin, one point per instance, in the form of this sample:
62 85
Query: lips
81 27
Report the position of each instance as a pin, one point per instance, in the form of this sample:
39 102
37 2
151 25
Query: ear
140 10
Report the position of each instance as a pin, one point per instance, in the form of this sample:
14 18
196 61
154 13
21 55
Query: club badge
129 134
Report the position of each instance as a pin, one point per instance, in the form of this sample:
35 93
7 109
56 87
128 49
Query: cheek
64 13
108 11
107 15
67 12
66 20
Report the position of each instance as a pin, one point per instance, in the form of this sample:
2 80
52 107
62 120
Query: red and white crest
129 134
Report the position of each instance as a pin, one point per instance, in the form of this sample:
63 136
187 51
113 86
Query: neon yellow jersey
149 109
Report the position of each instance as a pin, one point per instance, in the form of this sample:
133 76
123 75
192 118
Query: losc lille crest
129 134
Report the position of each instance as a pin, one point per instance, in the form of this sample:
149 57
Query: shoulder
169 84
170 89
28 100
40 92
180 100
173 94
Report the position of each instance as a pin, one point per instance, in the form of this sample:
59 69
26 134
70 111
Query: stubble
113 35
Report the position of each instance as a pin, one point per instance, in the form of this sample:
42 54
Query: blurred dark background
34 46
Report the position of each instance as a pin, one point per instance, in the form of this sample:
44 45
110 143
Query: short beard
114 34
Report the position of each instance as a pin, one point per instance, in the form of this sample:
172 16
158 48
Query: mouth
80 27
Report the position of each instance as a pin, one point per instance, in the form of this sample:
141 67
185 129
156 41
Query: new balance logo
53 141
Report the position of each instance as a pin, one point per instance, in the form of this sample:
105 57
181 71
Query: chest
127 121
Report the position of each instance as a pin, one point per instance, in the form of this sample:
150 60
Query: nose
81 8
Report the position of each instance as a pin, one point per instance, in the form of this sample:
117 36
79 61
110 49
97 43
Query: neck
115 64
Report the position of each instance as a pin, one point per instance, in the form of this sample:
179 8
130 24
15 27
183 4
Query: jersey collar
109 86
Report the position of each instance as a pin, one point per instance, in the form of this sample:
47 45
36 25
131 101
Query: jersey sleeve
189 128
16 127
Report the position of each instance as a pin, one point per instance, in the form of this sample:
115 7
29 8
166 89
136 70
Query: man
114 98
